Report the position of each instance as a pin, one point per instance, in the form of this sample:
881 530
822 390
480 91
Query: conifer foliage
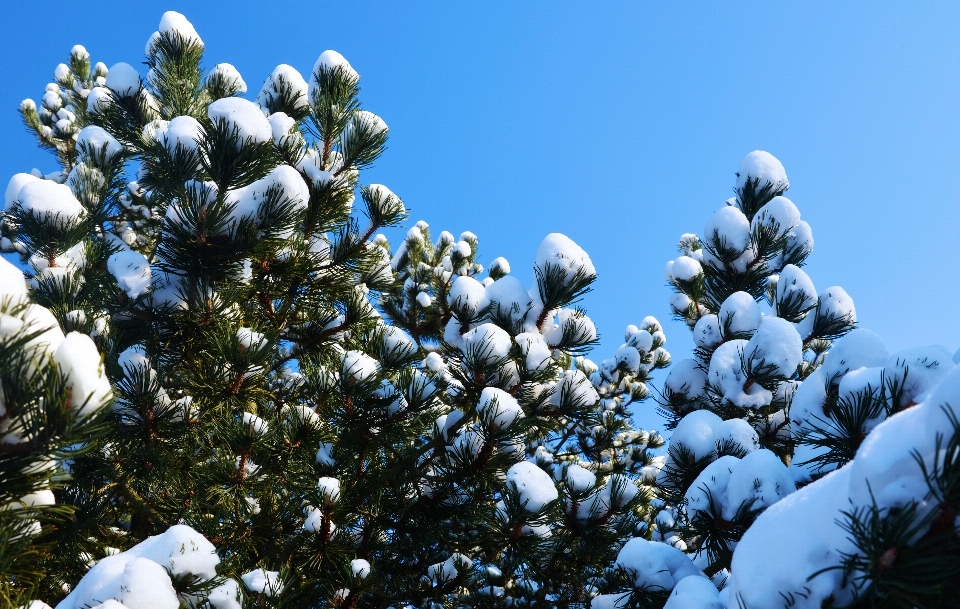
221 387
298 414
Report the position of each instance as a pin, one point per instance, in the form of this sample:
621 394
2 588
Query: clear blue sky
620 125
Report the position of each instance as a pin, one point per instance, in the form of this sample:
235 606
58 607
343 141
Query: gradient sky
618 124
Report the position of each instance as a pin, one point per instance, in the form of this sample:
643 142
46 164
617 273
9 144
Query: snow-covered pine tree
729 405
794 386
301 416
51 387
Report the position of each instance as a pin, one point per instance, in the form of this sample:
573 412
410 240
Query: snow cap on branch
764 167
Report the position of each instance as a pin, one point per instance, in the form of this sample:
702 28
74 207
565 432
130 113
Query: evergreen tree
779 398
261 337
220 387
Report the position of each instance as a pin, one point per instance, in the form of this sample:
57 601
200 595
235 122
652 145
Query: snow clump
123 79
141 577
243 117
534 485
763 166
284 82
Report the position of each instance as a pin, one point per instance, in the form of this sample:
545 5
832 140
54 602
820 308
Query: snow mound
131 270
123 79
559 251
765 167
140 578
534 485
242 116
885 469
655 565
97 140
51 202
287 79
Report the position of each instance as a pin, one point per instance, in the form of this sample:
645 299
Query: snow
641 340
508 299
80 366
243 117
183 131
140 578
95 138
766 167
360 568
858 349
559 251
266 582
247 200
249 338
739 314
424 300
396 340
37 318
499 408
729 229
304 414
794 284
775 346
173 23
834 303
760 479
359 366
487 342
330 489
728 377
919 369
617 492
701 430
50 201
628 359
808 401
325 454
13 284
295 85
132 272
574 388
711 483
800 239
572 322
694 592
579 479
123 79
655 565
685 268
367 121
98 100
227 73
686 379
256 427
707 332
13 188
466 295
500 265
885 469
226 596
282 126
534 485
778 217
329 61
448 569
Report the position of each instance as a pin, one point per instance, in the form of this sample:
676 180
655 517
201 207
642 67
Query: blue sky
620 125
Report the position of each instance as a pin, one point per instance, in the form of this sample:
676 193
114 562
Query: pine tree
780 398
220 387
260 337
